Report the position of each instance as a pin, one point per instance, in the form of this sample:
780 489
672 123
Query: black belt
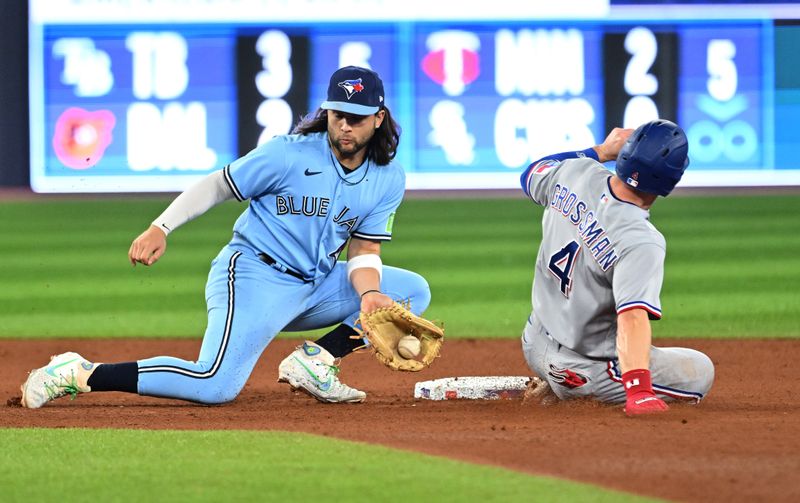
271 262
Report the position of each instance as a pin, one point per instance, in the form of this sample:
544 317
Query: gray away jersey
599 256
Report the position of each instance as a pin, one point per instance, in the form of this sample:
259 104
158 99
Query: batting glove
640 396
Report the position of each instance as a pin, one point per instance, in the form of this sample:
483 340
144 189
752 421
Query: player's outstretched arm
609 149
196 200
634 338
148 247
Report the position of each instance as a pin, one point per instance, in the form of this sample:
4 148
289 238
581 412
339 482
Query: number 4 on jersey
561 263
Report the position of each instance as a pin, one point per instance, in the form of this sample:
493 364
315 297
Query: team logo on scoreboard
351 87
452 61
81 137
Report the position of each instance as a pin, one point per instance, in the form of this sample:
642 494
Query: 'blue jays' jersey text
303 205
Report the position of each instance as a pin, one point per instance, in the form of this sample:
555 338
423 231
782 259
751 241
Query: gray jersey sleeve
637 279
539 179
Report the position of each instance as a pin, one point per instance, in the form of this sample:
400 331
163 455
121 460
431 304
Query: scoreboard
154 100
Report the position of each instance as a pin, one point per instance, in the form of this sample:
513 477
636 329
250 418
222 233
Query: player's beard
351 149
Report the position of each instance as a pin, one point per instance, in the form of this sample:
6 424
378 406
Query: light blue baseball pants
248 303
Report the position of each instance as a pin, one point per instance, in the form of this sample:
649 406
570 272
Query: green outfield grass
128 465
732 267
731 271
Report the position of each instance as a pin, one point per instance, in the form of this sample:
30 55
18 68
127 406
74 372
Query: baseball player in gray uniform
599 272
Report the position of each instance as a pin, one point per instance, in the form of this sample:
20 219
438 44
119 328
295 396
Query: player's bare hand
609 149
148 247
375 300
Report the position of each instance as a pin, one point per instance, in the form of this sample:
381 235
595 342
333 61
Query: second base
472 388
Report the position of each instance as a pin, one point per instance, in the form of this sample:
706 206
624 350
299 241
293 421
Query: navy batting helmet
654 157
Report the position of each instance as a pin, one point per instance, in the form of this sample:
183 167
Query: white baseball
408 347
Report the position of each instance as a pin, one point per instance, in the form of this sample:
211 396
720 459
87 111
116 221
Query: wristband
639 396
369 291
371 260
637 381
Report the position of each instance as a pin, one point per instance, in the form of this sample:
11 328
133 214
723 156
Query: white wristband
368 260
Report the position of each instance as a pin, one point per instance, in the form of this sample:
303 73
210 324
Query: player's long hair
381 148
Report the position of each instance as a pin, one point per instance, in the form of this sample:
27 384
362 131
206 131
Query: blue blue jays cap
354 90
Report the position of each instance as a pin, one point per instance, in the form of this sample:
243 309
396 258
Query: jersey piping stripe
615 375
226 171
223 345
373 237
639 305
676 393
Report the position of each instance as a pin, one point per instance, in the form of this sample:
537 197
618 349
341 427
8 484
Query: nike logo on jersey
308 172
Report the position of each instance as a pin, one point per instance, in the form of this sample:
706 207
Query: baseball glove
384 328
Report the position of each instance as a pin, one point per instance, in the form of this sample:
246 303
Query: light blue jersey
304 206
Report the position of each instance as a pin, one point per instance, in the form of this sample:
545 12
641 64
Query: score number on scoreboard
707 79
722 99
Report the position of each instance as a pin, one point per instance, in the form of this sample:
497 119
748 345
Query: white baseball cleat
66 373
312 369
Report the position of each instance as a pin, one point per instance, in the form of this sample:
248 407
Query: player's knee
219 394
705 371
218 398
697 370
419 292
404 285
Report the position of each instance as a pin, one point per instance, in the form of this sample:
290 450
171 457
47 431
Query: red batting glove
639 390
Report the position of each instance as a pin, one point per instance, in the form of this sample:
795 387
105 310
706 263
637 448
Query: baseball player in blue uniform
599 272
311 193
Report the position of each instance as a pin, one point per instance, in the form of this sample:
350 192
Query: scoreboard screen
142 96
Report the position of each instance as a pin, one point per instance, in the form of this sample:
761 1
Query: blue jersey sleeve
259 171
377 226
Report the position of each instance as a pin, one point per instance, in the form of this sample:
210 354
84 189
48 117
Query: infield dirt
740 444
